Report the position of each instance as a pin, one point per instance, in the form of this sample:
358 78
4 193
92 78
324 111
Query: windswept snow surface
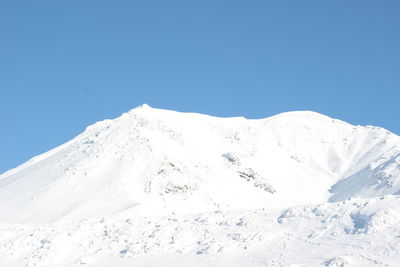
162 188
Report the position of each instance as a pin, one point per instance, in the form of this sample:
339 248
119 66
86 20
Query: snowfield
162 188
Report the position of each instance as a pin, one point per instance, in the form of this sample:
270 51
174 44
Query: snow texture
295 189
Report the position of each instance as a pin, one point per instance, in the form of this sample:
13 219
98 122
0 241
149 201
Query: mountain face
150 172
151 161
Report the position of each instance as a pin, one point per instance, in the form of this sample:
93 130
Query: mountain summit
151 161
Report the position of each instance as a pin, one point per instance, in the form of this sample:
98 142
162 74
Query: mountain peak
307 114
144 106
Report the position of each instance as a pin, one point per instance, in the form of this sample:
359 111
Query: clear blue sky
67 64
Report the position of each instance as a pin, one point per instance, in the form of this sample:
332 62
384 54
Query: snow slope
201 190
357 232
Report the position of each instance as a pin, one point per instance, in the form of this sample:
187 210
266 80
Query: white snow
162 188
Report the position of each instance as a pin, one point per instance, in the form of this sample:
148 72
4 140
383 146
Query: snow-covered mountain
290 173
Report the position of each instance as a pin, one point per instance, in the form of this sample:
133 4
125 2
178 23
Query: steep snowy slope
155 162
